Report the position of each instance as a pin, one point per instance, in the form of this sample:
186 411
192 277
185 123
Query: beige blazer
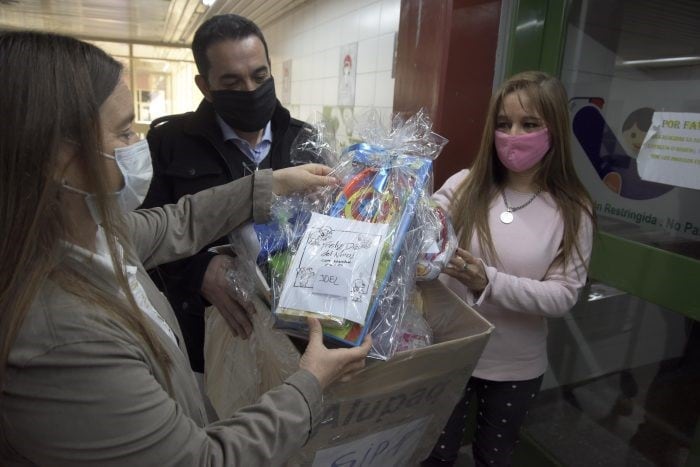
83 391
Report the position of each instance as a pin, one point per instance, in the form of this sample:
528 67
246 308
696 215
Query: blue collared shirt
255 153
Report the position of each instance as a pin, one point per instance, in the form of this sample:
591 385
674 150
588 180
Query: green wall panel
667 279
537 36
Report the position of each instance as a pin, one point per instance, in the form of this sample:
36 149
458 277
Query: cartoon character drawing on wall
285 96
614 165
305 278
347 68
320 235
347 71
635 129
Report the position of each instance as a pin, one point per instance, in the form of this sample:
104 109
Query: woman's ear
67 166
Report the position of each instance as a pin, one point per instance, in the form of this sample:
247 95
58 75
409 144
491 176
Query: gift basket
348 254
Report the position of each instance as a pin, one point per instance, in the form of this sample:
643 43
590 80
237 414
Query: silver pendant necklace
507 215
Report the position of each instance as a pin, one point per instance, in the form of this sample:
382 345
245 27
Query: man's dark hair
220 28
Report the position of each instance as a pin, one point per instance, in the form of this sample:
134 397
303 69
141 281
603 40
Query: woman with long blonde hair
525 226
93 366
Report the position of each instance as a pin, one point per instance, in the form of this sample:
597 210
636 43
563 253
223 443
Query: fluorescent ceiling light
208 2
660 62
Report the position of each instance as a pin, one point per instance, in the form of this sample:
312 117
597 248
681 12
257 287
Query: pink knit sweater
524 288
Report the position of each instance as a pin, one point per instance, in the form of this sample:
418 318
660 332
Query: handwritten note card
333 280
334 268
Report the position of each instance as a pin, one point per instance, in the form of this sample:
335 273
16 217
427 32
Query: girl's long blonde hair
556 174
51 91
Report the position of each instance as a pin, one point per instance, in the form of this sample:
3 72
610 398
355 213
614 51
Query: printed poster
348 71
607 140
611 112
670 153
286 95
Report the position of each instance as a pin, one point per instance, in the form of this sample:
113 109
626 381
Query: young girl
525 226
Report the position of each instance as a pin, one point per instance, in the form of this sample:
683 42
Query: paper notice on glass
670 153
334 269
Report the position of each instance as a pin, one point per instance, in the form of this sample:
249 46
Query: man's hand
229 298
328 365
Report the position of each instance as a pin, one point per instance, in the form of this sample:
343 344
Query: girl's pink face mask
522 152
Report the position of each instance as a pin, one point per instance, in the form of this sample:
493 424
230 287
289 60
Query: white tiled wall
311 37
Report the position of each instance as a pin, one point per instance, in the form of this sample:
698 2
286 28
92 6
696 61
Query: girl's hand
468 270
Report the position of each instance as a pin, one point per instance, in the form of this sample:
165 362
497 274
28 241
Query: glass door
623 386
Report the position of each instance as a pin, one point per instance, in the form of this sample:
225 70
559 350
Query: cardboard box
393 412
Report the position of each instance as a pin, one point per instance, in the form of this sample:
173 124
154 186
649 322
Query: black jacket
189 155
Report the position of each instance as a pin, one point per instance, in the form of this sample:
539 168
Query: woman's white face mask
134 162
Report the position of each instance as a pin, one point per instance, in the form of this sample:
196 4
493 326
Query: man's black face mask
246 110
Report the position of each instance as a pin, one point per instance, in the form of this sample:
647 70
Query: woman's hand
301 178
328 365
468 270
